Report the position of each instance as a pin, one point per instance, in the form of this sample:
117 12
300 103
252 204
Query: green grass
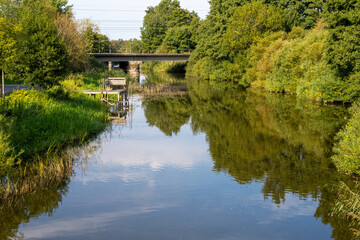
41 123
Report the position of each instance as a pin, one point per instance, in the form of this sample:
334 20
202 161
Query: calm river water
216 163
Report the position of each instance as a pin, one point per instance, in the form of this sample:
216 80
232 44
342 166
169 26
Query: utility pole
2 84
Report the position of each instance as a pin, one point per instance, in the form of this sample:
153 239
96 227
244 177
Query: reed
347 206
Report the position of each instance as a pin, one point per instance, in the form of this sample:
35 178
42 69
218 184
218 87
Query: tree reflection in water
38 189
279 140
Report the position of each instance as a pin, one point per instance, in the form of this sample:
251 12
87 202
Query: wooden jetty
111 86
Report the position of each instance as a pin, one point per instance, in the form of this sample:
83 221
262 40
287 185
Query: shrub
347 150
58 92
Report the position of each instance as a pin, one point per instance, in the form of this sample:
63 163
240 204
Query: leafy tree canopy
343 51
96 42
41 56
159 19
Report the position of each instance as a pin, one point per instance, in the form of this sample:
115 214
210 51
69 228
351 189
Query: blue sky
123 18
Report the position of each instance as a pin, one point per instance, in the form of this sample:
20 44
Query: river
214 163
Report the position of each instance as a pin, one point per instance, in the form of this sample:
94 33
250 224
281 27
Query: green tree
41 56
299 13
249 24
132 45
343 50
159 19
74 41
207 59
96 42
62 6
179 39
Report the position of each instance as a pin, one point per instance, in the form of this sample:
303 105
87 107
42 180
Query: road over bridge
110 58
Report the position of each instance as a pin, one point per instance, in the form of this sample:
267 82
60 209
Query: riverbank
36 124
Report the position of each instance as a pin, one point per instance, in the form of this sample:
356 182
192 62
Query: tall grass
42 123
347 206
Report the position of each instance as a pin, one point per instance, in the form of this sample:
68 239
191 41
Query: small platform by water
104 95
109 86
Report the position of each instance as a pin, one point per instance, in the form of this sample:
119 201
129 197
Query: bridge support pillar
134 68
110 65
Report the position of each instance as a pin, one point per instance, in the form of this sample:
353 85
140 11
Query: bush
58 92
301 68
347 150
261 58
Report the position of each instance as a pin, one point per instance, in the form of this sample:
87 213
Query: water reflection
38 189
279 141
154 178
168 114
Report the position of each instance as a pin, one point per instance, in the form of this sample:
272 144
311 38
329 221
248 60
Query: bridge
110 58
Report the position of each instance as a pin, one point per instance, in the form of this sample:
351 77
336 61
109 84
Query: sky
123 18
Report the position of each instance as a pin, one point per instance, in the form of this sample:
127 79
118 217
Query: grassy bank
36 123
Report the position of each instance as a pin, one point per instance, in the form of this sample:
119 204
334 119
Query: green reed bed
36 123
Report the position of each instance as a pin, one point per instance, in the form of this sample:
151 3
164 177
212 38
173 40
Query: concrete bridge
110 58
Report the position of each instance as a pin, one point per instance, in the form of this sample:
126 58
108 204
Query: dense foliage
168 27
308 48
41 42
41 56
96 42
347 150
132 45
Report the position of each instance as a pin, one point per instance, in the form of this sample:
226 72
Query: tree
250 23
209 53
62 6
343 50
96 42
159 19
299 13
179 38
74 41
41 56
132 45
